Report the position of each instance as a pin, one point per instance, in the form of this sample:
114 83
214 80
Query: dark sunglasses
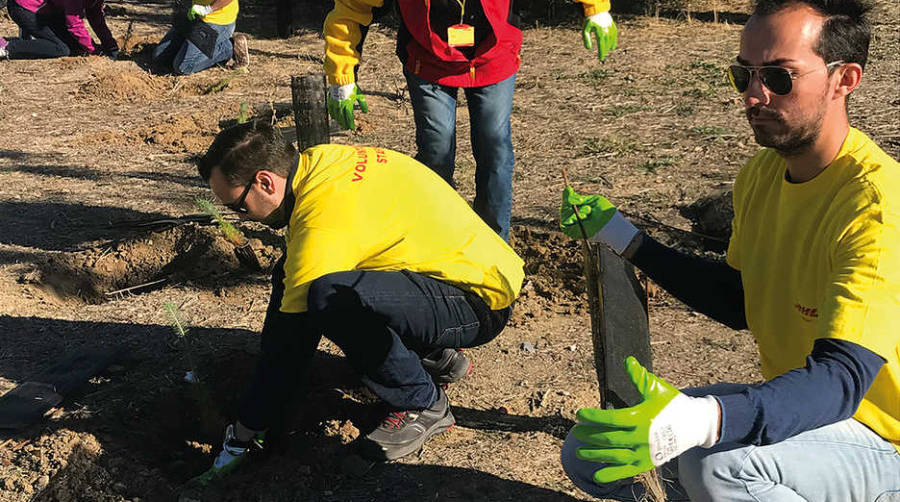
238 205
778 79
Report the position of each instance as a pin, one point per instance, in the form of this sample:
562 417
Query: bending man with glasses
813 270
384 259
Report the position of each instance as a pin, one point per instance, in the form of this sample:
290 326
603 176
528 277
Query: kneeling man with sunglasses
813 270
384 259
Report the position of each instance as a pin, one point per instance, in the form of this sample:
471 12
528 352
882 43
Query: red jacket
422 51
429 57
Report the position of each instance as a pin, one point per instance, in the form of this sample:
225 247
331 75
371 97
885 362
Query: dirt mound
117 86
711 215
554 274
68 465
188 252
180 133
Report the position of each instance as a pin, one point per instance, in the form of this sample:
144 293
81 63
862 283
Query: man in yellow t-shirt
201 38
384 259
813 270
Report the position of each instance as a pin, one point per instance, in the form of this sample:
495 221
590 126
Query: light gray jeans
841 462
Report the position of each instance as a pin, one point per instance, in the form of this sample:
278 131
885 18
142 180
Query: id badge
461 35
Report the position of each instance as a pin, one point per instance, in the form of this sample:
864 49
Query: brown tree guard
593 263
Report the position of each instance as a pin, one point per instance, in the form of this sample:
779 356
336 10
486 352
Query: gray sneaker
241 50
447 365
404 432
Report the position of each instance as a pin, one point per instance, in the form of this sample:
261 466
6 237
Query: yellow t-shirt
225 15
362 208
821 259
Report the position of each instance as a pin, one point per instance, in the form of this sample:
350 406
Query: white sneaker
4 54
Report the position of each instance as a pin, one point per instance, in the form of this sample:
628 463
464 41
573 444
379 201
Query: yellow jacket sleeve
313 253
343 33
592 7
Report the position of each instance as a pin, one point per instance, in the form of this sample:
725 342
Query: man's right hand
231 457
601 220
341 99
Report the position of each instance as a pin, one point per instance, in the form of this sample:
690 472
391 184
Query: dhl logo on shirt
808 313
362 161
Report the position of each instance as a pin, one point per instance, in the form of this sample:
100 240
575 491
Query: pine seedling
180 329
243 115
232 234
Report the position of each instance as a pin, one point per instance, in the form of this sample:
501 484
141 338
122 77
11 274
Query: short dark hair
846 32
241 151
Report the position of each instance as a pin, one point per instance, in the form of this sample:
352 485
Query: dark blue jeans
383 321
178 55
40 37
434 108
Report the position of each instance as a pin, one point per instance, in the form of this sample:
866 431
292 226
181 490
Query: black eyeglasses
238 205
778 79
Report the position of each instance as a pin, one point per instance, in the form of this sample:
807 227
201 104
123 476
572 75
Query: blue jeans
178 55
383 321
841 462
434 108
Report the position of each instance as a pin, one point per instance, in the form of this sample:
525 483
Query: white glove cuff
203 10
341 92
603 19
682 424
617 234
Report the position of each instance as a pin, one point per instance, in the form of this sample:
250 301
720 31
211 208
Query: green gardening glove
595 211
601 220
629 441
604 29
340 101
233 455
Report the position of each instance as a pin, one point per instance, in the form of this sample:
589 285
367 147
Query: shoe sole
442 425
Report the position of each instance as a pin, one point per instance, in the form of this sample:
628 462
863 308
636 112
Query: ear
847 79
266 181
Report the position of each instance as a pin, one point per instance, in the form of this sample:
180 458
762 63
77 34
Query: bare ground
91 150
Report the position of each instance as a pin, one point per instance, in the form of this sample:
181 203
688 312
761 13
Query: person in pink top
55 28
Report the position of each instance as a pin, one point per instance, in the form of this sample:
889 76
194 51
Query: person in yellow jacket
446 45
202 38
383 258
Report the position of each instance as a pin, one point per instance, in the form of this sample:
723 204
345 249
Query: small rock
9 484
527 347
42 482
572 347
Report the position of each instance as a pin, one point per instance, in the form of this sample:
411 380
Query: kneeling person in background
55 29
202 38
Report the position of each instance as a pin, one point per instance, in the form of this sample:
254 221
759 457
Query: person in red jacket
55 28
446 45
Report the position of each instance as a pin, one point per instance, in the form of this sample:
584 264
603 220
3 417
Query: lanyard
462 10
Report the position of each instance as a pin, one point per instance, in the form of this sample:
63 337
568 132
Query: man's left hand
634 440
604 29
